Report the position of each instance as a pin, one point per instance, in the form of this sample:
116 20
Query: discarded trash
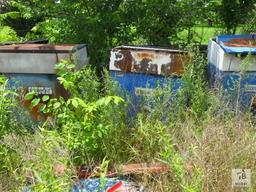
108 185
136 168
144 168
112 184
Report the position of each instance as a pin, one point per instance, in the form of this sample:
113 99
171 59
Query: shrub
7 34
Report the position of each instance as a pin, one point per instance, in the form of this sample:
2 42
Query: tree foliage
233 13
7 34
250 24
103 24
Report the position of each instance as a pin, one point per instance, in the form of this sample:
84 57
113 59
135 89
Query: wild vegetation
201 140
195 131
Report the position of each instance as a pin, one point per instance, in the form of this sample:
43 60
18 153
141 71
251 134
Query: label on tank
144 91
250 88
41 90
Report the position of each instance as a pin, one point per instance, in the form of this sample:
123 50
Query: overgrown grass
196 134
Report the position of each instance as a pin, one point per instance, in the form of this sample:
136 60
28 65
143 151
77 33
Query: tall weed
86 119
10 123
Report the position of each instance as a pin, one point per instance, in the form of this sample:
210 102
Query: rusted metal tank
232 66
138 69
32 67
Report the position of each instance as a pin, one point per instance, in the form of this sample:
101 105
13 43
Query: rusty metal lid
149 48
41 48
238 44
148 60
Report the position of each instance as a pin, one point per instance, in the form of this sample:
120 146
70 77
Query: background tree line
103 24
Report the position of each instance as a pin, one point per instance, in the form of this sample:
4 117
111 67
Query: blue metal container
232 66
139 70
32 67
42 84
137 86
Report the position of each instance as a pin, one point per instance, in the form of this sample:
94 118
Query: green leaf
108 100
81 102
61 80
29 95
100 134
71 66
62 73
62 100
45 98
104 101
56 105
118 100
74 103
100 102
42 108
34 102
60 65
47 111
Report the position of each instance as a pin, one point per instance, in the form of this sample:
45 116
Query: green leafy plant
7 34
81 119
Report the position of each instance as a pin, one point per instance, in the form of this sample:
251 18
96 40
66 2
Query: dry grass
209 149
225 146
37 155
210 155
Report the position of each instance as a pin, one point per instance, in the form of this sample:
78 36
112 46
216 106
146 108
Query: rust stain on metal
146 55
57 91
34 111
60 91
149 61
241 42
121 63
177 64
64 48
57 58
